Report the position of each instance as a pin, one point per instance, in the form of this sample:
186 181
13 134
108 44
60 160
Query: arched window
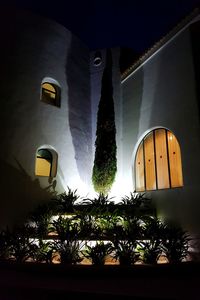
46 163
50 93
158 162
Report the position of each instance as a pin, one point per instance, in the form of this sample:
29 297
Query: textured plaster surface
163 93
33 48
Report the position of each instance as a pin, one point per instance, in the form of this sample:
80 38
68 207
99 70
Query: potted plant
41 218
43 251
21 246
69 251
88 227
175 242
98 253
66 228
99 205
125 252
109 225
65 201
151 250
134 199
5 244
67 245
150 243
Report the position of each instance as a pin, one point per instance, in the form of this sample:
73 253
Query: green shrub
66 228
125 252
21 246
105 162
98 253
43 251
175 242
70 251
99 205
65 201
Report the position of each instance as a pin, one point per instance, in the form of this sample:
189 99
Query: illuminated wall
161 96
35 50
162 93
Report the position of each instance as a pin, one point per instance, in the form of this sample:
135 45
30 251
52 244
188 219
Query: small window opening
50 93
46 163
158 162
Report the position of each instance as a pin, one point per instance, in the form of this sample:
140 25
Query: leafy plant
150 249
152 233
67 244
135 199
152 228
175 243
41 216
99 204
70 251
5 244
105 162
88 227
43 251
109 225
66 201
98 253
125 252
131 228
21 246
66 228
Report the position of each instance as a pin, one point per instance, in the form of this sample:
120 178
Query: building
50 89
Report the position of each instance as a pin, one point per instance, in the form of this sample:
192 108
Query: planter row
128 232
132 240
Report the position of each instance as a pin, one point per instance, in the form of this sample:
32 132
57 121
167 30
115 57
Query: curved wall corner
33 48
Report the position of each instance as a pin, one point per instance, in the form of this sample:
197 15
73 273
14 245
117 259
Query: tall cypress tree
105 162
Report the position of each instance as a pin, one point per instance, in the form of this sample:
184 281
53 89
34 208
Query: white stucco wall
162 92
33 48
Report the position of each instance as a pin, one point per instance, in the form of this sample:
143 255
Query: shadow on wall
132 102
79 107
19 194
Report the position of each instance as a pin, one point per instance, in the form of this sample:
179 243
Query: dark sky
109 23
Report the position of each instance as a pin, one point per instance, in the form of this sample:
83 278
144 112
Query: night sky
109 23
